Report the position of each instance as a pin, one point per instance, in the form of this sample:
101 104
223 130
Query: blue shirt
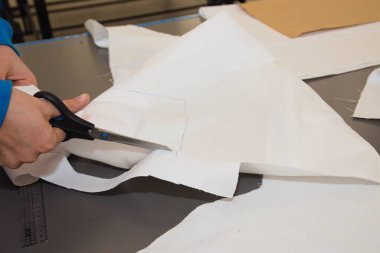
5 85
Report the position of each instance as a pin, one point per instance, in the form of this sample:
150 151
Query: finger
26 81
13 165
48 109
26 77
52 137
74 105
21 75
8 160
60 135
77 103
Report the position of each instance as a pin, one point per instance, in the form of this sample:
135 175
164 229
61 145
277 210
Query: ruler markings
32 215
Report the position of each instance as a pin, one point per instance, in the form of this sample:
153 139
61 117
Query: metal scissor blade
103 135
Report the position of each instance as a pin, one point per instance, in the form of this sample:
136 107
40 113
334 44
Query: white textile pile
214 88
224 104
314 54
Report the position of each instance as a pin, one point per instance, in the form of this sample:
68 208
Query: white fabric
98 32
282 216
223 72
315 54
227 89
218 98
138 44
368 106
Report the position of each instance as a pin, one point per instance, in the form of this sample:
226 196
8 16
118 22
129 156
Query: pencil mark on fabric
153 95
171 98
185 130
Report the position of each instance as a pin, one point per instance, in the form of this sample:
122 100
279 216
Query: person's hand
13 68
26 132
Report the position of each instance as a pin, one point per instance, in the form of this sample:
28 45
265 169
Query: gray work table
131 216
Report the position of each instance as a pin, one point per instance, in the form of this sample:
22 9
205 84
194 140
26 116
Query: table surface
131 216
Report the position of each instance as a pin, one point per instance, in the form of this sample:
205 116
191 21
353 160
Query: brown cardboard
296 17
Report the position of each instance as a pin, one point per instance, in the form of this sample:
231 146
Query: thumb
78 103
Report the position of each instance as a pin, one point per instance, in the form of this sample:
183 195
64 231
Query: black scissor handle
72 125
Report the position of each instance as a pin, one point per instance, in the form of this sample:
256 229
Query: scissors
76 127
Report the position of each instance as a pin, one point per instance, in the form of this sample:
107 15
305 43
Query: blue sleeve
5 96
6 34
5 85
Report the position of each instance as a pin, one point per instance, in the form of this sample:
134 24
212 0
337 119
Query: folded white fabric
282 216
219 99
315 54
368 106
98 32
237 96
138 45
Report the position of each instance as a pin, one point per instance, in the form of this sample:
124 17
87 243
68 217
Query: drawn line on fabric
171 98
350 102
151 94
185 130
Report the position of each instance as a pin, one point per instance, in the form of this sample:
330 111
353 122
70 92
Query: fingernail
81 98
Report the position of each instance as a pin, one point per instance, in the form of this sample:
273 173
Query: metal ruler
32 215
